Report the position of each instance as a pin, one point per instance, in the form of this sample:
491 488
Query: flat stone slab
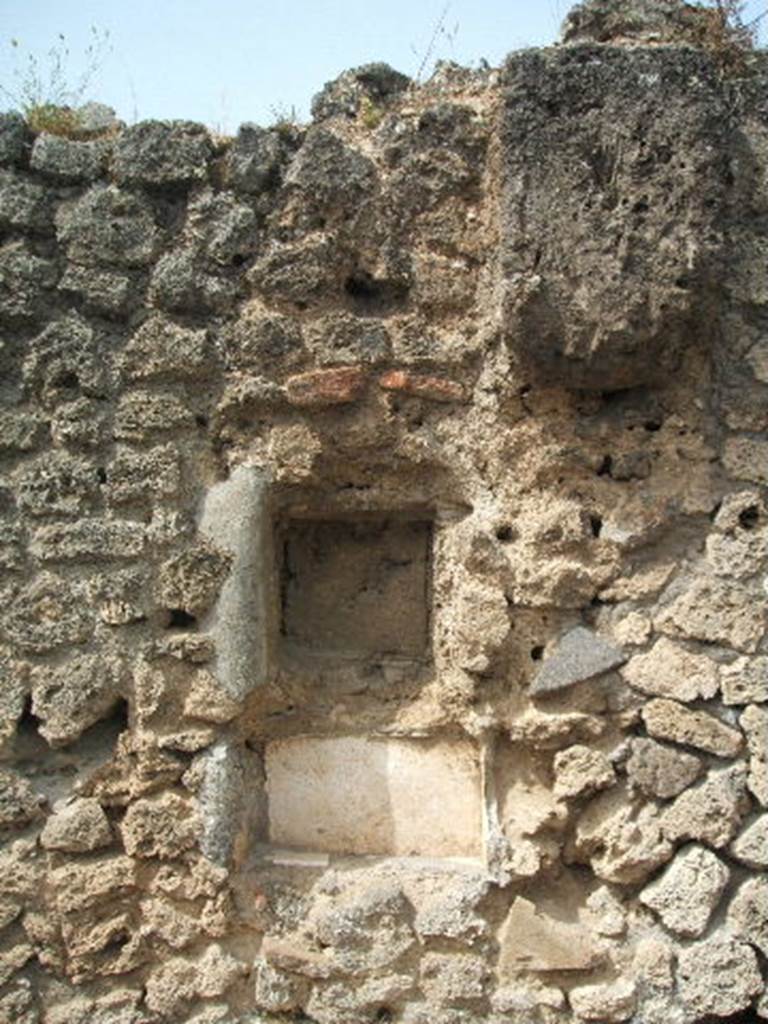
370 795
581 654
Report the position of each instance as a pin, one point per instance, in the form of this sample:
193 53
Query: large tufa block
615 184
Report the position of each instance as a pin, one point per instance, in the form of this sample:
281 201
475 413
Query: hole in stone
605 466
537 652
101 475
749 517
652 426
596 525
238 259
177 618
504 533
375 795
356 588
67 379
384 1014
201 421
373 296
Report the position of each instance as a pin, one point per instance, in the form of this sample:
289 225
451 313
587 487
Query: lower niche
378 796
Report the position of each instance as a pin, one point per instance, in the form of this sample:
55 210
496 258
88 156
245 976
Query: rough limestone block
754 722
15 139
81 884
745 681
623 313
746 458
579 655
108 226
48 613
718 976
24 205
748 913
580 770
606 1003
161 153
26 281
668 720
19 804
531 941
661 771
163 826
74 694
686 895
710 812
89 540
161 347
669 670
77 826
362 795
718 612
751 846
68 160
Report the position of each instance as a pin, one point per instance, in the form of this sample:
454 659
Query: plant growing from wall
42 89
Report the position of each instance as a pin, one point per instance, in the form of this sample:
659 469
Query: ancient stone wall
383 538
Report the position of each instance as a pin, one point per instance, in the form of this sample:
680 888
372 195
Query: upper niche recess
356 588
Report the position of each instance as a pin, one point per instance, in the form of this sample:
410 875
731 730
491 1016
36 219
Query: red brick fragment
318 388
422 385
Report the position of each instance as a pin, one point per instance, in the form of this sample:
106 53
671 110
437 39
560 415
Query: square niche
356 588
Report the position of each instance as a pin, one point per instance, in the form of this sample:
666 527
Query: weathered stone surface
751 846
745 681
19 804
141 414
623 843
89 540
608 327
192 579
580 770
71 696
164 826
64 361
716 611
109 226
161 153
106 292
143 475
661 771
224 230
328 173
579 655
711 811
15 139
669 670
453 978
748 913
24 204
77 826
257 158
20 431
68 160
56 484
646 21
719 976
754 722
180 285
531 941
359 91
47 614
161 348
82 884
668 720
607 1002
26 281
689 890
747 459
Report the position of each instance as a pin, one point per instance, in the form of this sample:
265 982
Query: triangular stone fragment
581 654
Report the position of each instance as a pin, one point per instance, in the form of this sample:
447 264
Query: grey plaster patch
235 518
580 655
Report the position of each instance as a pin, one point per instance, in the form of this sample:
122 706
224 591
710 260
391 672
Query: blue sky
227 61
